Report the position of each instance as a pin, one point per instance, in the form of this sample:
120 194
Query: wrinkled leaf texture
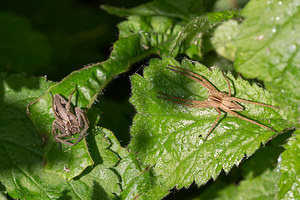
21 169
90 80
166 134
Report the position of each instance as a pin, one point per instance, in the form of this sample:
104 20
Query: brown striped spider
216 99
67 122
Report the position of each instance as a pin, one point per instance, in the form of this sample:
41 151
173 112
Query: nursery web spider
216 99
66 121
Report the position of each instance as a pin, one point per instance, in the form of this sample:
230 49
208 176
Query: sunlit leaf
191 41
136 180
166 134
22 170
90 82
261 187
289 167
268 49
153 34
21 156
222 39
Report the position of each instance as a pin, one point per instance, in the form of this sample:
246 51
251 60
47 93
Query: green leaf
144 187
265 158
21 169
116 173
218 191
289 166
185 10
227 193
222 39
137 181
268 49
166 134
154 34
23 174
261 187
90 80
21 46
100 181
256 175
165 36
190 39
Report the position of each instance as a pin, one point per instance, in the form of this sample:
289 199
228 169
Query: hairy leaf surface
154 33
166 36
22 170
137 181
192 39
90 80
21 148
166 134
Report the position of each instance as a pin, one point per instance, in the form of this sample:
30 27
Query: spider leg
53 110
185 102
77 141
52 101
196 77
57 125
80 137
228 83
251 102
65 141
81 117
249 120
83 120
214 124
68 106
59 137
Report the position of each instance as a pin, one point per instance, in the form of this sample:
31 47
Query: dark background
75 33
